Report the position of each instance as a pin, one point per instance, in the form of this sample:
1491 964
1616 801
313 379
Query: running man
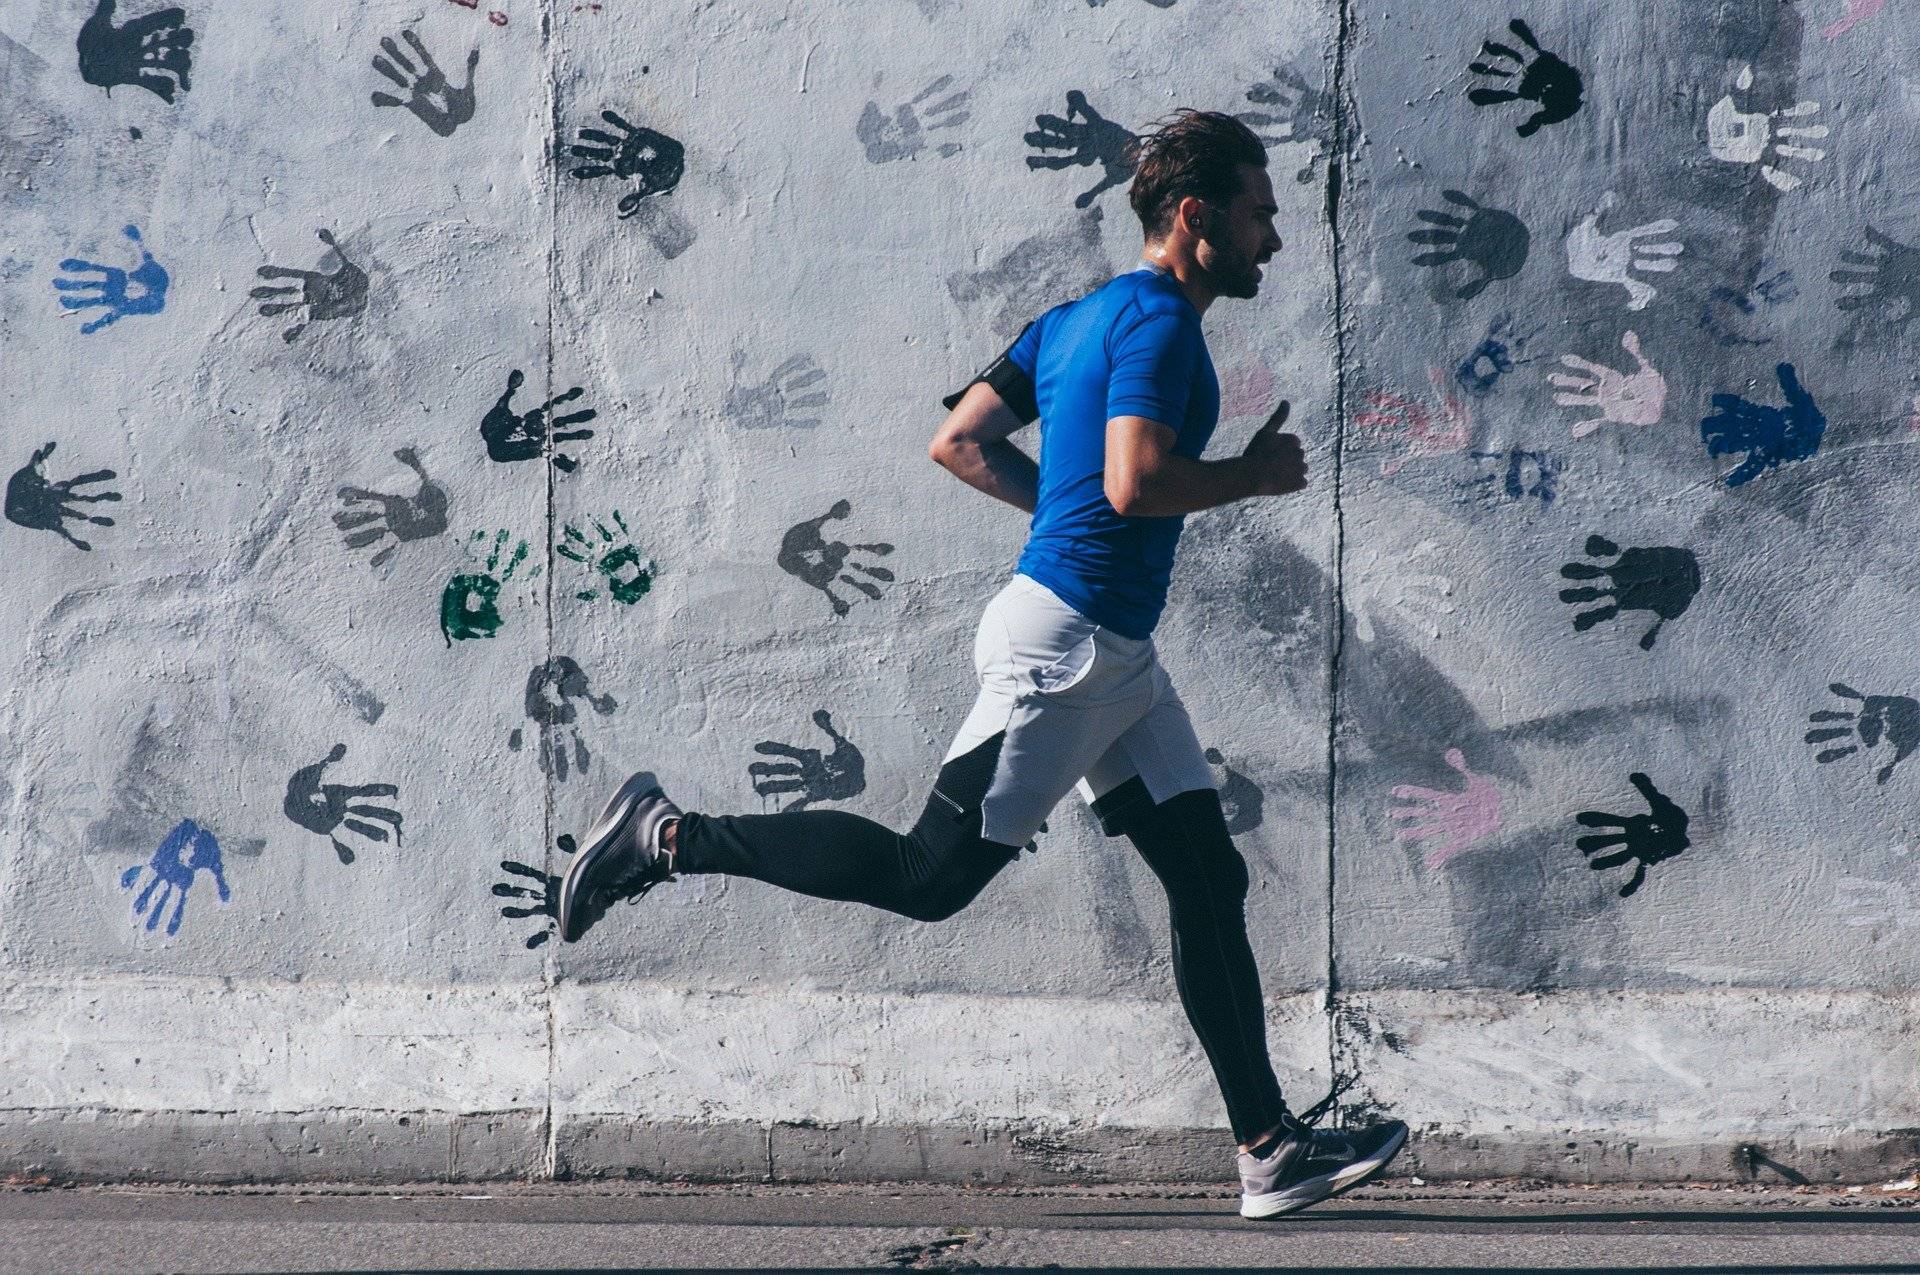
1072 693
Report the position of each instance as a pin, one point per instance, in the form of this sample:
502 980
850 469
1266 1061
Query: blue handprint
1769 435
188 849
110 290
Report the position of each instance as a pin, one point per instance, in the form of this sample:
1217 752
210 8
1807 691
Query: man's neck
1198 295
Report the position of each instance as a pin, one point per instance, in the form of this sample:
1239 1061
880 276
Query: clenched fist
1278 462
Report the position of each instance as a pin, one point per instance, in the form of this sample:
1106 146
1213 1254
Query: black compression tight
937 868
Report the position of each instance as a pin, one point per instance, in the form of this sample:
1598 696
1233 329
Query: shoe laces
1314 1114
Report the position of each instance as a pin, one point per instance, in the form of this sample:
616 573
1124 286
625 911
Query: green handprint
628 575
470 604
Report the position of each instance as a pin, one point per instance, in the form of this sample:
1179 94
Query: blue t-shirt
1131 347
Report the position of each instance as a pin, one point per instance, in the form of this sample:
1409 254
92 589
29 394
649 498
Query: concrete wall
218 959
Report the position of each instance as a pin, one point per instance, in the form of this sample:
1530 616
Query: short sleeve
1154 363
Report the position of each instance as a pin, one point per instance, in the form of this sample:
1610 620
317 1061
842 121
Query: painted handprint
1883 285
431 98
552 688
1857 11
1638 397
1663 580
657 162
188 849
387 522
1743 137
1412 593
35 503
339 293
808 555
470 602
543 895
1497 355
1291 110
1416 429
1518 474
1735 315
914 125
1492 241
814 775
151 52
791 390
110 291
1611 258
1545 79
1892 719
626 575
1454 820
326 808
1094 139
1241 800
1770 436
512 436
1643 840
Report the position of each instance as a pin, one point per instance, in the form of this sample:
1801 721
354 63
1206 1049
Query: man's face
1238 239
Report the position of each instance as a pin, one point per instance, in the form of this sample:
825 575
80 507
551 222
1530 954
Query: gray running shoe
622 856
1312 1164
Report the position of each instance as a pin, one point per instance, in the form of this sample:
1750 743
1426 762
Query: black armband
1014 387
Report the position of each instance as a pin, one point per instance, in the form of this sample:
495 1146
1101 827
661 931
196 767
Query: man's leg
927 873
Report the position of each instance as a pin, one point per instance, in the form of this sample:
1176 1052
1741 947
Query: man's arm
1144 479
973 445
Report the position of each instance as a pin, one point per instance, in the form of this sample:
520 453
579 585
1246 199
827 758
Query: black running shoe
622 856
1312 1164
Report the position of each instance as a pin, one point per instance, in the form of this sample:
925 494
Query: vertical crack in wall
1336 170
551 1154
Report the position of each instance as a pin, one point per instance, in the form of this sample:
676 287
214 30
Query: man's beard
1232 274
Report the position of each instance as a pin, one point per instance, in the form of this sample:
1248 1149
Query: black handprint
149 53
1889 277
334 294
834 776
433 101
1096 140
402 518
1489 238
1769 435
648 154
544 893
1240 798
34 502
511 436
1547 79
1659 834
1893 718
1662 580
807 554
324 808
551 689
1292 111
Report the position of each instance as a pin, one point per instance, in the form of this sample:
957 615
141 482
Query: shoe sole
613 820
1325 1187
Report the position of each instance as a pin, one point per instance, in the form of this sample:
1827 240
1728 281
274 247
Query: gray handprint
1663 579
833 776
433 101
1892 718
907 132
1240 798
339 293
326 808
34 502
1883 286
1292 110
552 688
797 385
810 556
1490 239
1093 140
375 518
150 52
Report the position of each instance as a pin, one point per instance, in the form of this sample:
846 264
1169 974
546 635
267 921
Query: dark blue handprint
188 849
1768 435
109 291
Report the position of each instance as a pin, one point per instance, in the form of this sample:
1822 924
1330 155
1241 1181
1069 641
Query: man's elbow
1123 495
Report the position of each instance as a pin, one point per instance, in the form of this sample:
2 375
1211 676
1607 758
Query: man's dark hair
1194 153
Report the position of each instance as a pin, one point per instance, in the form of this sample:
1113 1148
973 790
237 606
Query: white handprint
1413 596
1638 397
1742 137
1611 258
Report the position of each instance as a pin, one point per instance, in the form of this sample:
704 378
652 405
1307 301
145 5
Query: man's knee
963 871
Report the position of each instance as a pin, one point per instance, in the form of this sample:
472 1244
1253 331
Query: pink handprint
1857 11
1638 397
1455 819
1446 427
1245 388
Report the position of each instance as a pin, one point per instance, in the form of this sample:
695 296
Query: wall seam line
550 1155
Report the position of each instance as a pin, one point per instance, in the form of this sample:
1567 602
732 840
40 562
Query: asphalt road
595 1226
